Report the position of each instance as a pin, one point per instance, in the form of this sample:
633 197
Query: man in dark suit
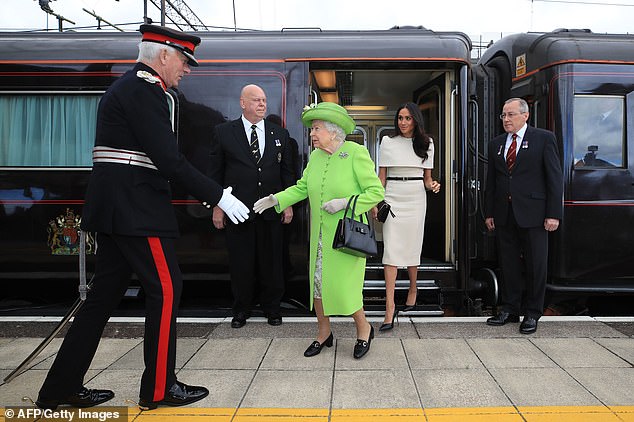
128 204
255 157
524 201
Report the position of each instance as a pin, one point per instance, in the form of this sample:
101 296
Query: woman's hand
434 186
335 205
265 203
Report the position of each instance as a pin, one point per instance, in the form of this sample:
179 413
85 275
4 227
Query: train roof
560 46
293 45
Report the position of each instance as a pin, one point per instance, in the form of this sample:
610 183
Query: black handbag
383 210
354 237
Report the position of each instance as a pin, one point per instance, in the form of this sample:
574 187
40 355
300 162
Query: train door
372 96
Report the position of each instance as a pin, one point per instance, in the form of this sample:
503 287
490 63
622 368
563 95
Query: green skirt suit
348 171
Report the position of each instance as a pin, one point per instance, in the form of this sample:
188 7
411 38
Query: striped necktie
511 155
254 144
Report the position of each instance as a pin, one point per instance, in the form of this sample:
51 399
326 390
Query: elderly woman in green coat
336 171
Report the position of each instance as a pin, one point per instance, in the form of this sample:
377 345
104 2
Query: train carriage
580 85
50 85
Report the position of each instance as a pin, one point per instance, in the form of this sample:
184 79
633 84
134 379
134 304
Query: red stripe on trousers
166 316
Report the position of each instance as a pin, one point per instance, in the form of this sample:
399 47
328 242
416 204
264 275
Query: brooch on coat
147 76
343 155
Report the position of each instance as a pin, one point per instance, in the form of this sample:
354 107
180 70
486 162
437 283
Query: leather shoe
528 325
502 318
315 347
275 320
362 347
83 398
179 394
239 320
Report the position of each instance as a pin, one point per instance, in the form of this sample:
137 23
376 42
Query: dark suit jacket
233 164
137 201
536 185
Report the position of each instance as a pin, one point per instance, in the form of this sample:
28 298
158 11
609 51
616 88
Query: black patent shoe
274 320
239 320
502 318
179 394
83 398
389 325
528 325
315 348
362 347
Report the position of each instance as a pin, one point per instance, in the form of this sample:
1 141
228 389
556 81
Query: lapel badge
278 143
501 149
343 155
279 157
524 144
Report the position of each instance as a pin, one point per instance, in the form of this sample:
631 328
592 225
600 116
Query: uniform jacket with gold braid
234 165
132 200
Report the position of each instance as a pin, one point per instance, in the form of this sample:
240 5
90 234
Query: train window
53 130
598 131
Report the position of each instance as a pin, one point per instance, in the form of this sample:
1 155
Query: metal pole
162 12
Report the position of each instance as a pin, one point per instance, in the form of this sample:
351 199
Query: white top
398 152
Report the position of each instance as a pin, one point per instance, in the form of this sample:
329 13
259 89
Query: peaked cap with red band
185 43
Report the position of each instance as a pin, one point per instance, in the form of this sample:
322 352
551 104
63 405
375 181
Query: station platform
426 369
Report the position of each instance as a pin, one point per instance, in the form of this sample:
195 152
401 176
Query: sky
482 20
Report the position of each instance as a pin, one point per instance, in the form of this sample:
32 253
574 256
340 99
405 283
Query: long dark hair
420 140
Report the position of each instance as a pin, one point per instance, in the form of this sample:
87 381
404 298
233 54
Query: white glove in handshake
265 203
233 207
335 205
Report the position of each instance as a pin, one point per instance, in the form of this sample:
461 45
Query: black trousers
255 256
531 243
153 259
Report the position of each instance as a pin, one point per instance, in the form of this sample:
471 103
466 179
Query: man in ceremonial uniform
128 205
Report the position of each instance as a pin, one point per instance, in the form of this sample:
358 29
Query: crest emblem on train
63 234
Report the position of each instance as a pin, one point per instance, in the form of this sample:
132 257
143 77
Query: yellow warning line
475 414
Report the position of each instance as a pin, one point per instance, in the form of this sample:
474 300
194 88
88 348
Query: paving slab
126 384
509 353
542 387
14 352
289 389
288 354
578 352
440 353
384 353
622 347
374 389
227 388
458 388
231 353
613 386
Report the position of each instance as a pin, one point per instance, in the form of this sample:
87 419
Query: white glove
233 207
265 203
335 205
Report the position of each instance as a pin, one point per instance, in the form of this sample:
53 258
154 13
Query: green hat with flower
329 112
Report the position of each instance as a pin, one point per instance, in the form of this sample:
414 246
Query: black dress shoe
389 325
179 394
239 320
274 320
83 398
362 347
315 348
502 318
528 325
